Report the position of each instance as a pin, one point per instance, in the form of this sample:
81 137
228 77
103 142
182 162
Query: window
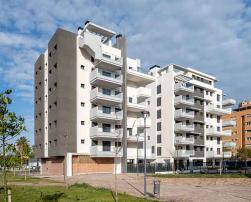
55 103
82 123
218 140
50 54
82 141
55 84
105 73
55 142
106 91
40 68
55 65
129 130
55 47
106 127
218 128
50 71
106 110
106 145
158 114
92 59
82 85
158 151
82 104
158 101
118 144
158 138
218 119
55 123
148 137
82 67
153 150
130 99
158 89
159 126
211 93
94 142
218 97
218 150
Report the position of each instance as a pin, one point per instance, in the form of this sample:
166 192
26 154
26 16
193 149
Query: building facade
89 99
239 122
186 111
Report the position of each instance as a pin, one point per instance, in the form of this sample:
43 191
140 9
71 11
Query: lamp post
145 115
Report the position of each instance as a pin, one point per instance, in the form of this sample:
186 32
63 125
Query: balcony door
106 146
106 110
106 127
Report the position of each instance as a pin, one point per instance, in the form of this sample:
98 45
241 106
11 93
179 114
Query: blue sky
211 36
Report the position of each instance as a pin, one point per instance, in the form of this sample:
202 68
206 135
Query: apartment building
89 103
239 122
186 114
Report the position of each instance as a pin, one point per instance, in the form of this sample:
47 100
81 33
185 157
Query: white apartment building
186 114
89 99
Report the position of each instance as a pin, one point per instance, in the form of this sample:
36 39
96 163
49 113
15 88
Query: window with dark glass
158 138
158 89
106 91
158 114
106 127
158 151
158 101
106 110
106 145
159 126
153 150
129 131
105 73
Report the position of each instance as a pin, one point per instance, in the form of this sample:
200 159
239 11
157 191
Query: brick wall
52 166
86 164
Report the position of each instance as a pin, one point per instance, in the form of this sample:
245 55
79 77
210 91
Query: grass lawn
78 192
202 175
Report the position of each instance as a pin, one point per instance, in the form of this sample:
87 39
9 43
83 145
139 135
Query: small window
130 99
82 67
56 47
153 150
55 65
50 71
82 123
158 114
49 54
82 85
158 89
40 68
158 138
118 144
148 137
82 104
82 141
55 84
55 103
159 126
92 59
158 101
218 97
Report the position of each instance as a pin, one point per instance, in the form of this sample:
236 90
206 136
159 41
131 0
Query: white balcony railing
184 127
98 132
140 122
99 151
214 109
144 92
229 144
183 153
105 76
97 112
183 100
227 154
229 123
183 114
216 132
183 87
184 140
97 93
136 106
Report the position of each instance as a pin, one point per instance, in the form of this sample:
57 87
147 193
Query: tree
23 150
243 154
11 126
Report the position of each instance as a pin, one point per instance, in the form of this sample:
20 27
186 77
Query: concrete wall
52 166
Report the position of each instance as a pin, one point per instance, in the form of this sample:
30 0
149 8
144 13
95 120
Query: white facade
187 125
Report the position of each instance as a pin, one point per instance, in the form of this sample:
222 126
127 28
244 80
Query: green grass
78 192
202 175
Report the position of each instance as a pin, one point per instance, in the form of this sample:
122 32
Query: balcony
229 144
97 114
213 109
134 138
140 122
183 88
135 106
180 127
179 140
227 154
100 96
183 114
228 102
99 151
110 58
229 123
213 154
215 132
107 79
139 78
143 92
183 153
183 101
98 132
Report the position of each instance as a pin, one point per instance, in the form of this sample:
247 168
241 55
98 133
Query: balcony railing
136 106
216 132
144 92
140 122
183 153
229 123
214 109
182 100
105 76
97 93
184 140
97 112
184 114
184 127
183 87
100 151
99 132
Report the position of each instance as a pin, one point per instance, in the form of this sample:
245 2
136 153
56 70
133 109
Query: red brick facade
53 166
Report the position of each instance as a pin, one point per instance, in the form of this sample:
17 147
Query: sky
213 36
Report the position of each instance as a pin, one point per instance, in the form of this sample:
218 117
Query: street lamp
145 115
